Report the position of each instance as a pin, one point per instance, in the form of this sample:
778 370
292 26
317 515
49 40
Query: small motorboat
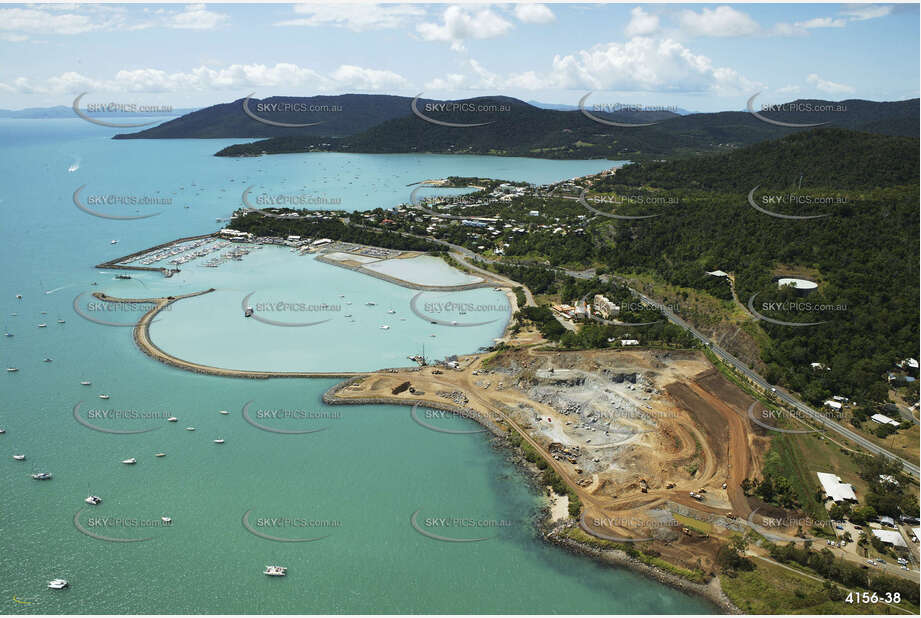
384 327
42 325
166 520
42 476
275 571
19 457
2 431
224 412
58 584
190 429
113 242
60 321
130 461
391 311
94 500
85 382
7 334
19 296
370 304
12 369
47 360
172 419
219 441
160 455
104 396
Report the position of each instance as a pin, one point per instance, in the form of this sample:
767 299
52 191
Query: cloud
534 13
788 89
723 21
197 17
458 25
239 77
639 65
827 86
861 12
18 23
641 23
822 22
356 17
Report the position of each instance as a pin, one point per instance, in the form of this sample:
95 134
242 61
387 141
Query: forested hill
337 116
517 128
830 158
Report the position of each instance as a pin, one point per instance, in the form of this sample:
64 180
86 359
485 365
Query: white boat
60 321
43 325
19 296
94 500
113 242
166 520
2 431
104 396
384 327
47 360
42 476
275 571
7 334
19 457
225 412
85 382
219 441
160 455
58 584
12 369
190 429
370 303
391 311
348 315
172 419
129 461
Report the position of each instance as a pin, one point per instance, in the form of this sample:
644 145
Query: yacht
47 360
166 520
42 476
94 500
113 242
275 571
104 396
2 430
172 419
224 412
58 584
85 382
160 455
12 369
348 315
219 441
42 325
190 429
60 321
129 461
384 327
19 457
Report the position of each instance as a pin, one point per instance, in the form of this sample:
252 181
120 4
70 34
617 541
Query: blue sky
705 57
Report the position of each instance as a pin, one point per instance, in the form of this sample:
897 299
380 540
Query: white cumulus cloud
356 17
534 13
641 23
723 21
458 24
824 85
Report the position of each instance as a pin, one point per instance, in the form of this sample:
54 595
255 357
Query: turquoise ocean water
354 481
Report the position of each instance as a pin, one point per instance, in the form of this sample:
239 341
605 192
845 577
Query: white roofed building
835 489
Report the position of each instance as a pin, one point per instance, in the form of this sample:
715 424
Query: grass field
772 589
694 524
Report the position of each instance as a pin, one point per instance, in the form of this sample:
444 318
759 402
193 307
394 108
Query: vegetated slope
864 256
835 158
